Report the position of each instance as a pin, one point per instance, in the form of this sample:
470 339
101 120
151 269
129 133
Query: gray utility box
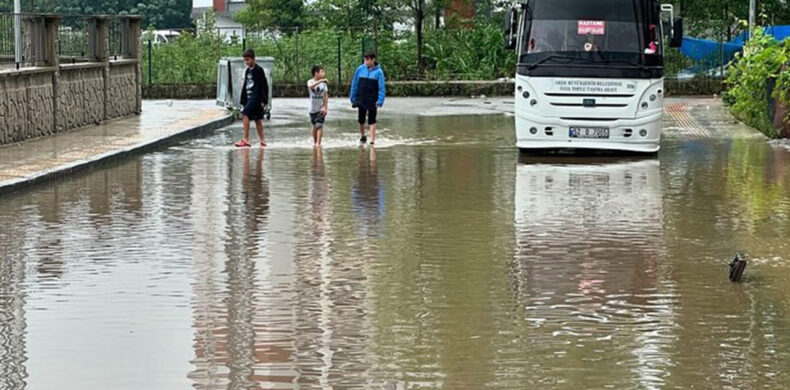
230 79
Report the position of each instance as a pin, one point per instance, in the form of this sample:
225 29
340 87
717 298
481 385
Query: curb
87 164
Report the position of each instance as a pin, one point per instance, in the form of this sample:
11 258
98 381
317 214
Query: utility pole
752 14
18 31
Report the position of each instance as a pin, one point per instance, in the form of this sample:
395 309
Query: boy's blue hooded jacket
367 88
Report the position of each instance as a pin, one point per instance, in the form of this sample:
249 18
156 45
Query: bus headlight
652 98
644 105
533 102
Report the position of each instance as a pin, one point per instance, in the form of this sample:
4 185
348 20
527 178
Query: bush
762 60
452 54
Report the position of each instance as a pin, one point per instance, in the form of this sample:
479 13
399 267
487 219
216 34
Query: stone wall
80 96
122 98
26 105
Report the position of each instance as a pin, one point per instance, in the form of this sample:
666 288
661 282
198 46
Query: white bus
590 73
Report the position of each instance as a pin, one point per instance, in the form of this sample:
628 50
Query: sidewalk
47 158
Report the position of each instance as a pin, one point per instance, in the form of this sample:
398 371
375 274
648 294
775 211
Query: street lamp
18 31
752 7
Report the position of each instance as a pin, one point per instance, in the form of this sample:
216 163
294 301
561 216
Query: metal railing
191 56
73 38
12 55
116 38
79 38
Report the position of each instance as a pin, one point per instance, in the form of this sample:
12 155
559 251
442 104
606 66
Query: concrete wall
80 96
26 105
123 99
47 97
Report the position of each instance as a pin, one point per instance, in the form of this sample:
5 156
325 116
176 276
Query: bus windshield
594 31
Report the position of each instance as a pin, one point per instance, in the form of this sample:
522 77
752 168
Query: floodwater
440 259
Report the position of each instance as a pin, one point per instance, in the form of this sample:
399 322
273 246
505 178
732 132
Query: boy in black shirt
254 96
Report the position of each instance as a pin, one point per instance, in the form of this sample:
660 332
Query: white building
224 10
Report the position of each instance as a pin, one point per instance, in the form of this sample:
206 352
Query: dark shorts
317 119
253 110
370 113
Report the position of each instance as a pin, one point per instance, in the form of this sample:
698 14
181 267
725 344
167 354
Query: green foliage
762 59
463 54
470 54
158 13
190 58
286 14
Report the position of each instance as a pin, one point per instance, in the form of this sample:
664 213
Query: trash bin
230 79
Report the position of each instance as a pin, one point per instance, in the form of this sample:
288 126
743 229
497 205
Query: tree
157 13
348 15
417 11
273 14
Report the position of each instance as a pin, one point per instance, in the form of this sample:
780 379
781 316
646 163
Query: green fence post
150 62
298 63
339 62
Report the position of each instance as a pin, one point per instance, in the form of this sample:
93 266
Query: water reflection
368 195
587 270
412 266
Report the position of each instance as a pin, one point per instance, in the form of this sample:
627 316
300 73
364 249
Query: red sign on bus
591 27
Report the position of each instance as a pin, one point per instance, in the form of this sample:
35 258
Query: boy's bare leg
362 129
315 135
319 131
373 133
246 126
259 127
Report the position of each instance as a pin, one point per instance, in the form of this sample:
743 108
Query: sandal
242 144
263 144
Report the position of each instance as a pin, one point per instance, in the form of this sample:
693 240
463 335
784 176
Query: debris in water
737 266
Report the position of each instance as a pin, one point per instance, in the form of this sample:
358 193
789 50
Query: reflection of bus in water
586 265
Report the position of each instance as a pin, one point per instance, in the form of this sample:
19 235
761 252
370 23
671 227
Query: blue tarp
710 52
705 50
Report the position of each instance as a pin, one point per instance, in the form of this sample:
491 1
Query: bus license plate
588 132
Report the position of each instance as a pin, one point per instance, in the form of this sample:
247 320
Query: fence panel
73 39
8 48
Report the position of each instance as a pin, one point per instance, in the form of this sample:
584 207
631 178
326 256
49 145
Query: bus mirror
677 33
508 21
511 28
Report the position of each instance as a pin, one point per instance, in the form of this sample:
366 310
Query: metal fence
191 57
73 39
8 47
73 33
679 67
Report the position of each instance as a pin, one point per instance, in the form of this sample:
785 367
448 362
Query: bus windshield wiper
619 61
551 57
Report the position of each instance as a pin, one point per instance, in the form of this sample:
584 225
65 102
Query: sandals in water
242 144
263 144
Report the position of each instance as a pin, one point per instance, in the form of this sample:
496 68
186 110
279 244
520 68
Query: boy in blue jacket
367 94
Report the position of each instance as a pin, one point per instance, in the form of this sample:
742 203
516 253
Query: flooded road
439 259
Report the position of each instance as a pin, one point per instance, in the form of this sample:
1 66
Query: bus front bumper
533 132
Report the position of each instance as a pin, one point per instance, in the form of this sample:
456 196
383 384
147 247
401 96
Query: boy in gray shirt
319 102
